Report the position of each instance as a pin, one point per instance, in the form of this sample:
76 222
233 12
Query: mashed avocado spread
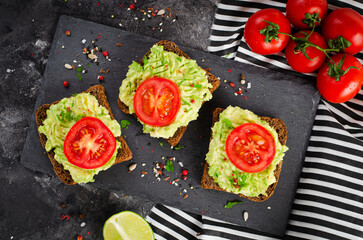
62 116
191 79
223 171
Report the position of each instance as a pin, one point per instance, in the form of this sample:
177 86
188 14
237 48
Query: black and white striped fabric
329 199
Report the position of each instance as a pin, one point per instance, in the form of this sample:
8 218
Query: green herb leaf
79 69
178 147
74 94
145 60
169 166
184 102
89 65
79 76
161 144
198 85
187 110
227 123
228 55
182 81
231 204
179 59
125 123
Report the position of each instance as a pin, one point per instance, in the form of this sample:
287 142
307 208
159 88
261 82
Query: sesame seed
83 224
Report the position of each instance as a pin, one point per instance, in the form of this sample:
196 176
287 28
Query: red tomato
157 101
347 23
250 147
296 10
298 61
256 22
89 143
347 86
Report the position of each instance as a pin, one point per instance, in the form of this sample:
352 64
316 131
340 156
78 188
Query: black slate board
273 94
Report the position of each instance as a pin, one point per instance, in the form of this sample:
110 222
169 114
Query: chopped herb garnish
74 94
79 69
231 204
184 102
145 60
125 123
182 81
198 85
228 55
178 147
187 110
179 59
227 123
161 144
169 166
79 76
89 65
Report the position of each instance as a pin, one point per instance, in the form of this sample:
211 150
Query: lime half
127 226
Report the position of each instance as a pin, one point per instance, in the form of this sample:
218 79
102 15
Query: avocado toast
95 96
166 60
265 180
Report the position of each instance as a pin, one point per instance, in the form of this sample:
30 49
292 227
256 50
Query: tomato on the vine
250 147
296 58
263 37
303 14
343 29
157 101
89 143
340 83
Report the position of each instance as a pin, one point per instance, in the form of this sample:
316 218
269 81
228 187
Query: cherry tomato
250 147
256 41
296 58
89 143
346 23
157 101
348 85
296 10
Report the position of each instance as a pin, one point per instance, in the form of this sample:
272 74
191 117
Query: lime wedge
127 226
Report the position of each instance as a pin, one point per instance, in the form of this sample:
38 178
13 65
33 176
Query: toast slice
207 181
172 47
123 154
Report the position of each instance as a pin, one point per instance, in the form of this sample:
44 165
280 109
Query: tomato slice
250 147
157 101
89 143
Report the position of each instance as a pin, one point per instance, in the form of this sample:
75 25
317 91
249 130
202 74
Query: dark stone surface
31 202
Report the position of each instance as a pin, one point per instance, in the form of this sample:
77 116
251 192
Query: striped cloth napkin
329 199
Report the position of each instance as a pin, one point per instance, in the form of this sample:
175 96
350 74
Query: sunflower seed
245 216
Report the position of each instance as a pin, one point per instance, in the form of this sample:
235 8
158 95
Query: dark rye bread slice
172 47
123 154
207 181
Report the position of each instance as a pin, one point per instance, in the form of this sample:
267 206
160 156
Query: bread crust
172 47
207 181
124 153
